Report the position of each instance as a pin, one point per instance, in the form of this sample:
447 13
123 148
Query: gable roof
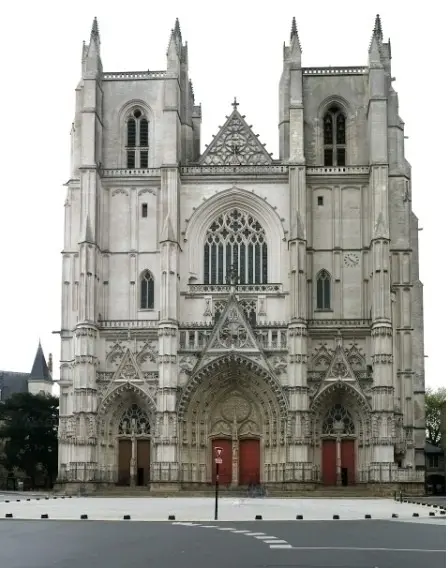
235 145
40 370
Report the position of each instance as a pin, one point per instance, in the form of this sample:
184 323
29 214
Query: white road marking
226 529
369 549
276 541
255 534
241 532
265 537
280 546
209 526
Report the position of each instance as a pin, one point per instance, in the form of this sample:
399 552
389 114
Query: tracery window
134 421
334 137
323 290
137 140
249 308
147 291
235 240
338 420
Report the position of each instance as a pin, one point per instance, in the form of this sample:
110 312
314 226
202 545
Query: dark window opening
144 209
320 200
130 161
323 290
137 140
147 291
334 127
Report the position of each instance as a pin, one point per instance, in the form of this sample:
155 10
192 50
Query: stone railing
128 324
124 172
268 339
204 289
389 473
336 323
354 70
133 75
228 170
337 170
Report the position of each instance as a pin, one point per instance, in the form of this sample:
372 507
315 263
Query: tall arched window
137 140
323 290
134 421
235 240
338 420
334 137
147 291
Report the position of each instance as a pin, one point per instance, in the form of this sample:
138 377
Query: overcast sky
235 49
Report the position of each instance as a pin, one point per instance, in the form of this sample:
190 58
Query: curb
414 502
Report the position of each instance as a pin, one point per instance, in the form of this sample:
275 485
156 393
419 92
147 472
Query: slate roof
12 382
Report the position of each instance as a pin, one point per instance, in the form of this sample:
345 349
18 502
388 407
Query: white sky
235 49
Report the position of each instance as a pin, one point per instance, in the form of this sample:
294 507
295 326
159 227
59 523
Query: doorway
348 461
249 459
124 462
329 462
143 462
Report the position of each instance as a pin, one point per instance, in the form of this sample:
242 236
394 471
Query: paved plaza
202 509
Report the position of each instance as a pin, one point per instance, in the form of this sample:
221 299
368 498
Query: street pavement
262 544
202 509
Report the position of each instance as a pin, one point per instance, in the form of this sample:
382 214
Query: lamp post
218 462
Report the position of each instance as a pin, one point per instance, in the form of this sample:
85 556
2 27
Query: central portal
234 404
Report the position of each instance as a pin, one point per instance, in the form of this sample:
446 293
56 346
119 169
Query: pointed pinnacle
95 30
177 28
378 29
294 32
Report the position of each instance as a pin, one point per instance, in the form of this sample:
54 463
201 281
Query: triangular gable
235 145
340 369
232 333
128 370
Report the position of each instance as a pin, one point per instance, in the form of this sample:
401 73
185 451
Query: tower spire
177 31
378 29
95 33
294 32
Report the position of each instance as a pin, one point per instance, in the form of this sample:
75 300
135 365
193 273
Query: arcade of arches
234 404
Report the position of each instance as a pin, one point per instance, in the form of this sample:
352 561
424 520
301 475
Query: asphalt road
129 544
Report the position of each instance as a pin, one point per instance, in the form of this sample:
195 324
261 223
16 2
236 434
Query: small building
435 469
39 380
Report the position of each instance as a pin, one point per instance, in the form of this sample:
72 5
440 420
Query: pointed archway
341 431
127 419
234 403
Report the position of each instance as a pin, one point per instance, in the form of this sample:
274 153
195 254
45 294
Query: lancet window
134 421
323 290
338 420
334 137
147 291
137 140
235 241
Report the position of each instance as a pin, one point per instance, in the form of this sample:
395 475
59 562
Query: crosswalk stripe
280 546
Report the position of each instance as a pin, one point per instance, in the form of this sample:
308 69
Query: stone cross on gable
235 104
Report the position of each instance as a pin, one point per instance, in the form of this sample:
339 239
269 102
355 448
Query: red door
348 459
225 469
249 461
329 462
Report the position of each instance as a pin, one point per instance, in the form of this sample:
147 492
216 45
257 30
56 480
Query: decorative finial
378 29
95 30
294 32
235 104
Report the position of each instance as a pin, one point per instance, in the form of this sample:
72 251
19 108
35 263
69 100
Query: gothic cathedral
268 307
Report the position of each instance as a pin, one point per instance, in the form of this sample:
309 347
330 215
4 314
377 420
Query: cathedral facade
227 299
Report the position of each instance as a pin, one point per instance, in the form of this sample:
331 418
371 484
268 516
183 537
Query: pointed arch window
147 291
334 137
235 240
137 140
323 290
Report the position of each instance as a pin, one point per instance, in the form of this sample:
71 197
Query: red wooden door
249 461
225 469
329 462
143 464
124 462
348 459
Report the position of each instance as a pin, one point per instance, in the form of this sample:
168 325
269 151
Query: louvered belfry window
334 137
137 141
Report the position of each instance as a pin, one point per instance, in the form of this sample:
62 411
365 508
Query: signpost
218 462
